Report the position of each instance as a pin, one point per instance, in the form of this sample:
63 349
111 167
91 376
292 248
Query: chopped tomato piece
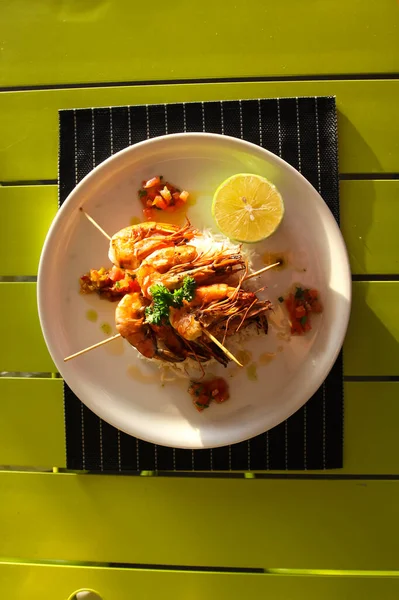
184 196
116 273
166 195
300 311
205 391
218 389
159 202
299 306
134 285
152 182
156 193
317 307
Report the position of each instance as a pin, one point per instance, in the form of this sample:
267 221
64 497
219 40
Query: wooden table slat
370 225
57 582
25 350
96 41
32 426
371 345
238 523
367 119
373 326
32 422
27 212
369 217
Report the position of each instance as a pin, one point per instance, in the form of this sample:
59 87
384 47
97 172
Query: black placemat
303 131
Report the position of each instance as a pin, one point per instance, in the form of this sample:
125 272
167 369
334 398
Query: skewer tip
263 270
221 346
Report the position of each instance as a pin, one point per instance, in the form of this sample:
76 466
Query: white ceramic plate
126 391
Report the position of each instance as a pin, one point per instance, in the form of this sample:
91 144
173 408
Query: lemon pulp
247 208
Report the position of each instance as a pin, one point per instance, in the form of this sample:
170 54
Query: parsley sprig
163 299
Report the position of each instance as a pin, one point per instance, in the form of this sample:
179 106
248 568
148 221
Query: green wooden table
310 536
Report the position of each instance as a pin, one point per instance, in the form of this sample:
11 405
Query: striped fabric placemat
303 131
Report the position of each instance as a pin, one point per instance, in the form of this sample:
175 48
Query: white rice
217 241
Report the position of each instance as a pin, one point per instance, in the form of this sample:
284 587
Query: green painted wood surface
57 582
331 524
23 347
26 215
72 41
370 225
369 217
373 326
372 342
368 127
253 523
32 426
370 428
32 422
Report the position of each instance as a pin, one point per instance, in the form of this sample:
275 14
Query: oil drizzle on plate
135 373
106 328
269 258
177 217
252 373
91 315
266 358
244 356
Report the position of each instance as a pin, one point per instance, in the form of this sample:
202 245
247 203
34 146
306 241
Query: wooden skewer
118 335
93 222
276 264
227 352
114 337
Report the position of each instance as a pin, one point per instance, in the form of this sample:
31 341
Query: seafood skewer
155 237
130 246
219 308
131 325
170 266
158 254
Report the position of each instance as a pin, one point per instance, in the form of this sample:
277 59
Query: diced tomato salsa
203 392
110 283
300 304
157 194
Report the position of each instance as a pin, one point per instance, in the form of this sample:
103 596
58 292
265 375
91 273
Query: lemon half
247 208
